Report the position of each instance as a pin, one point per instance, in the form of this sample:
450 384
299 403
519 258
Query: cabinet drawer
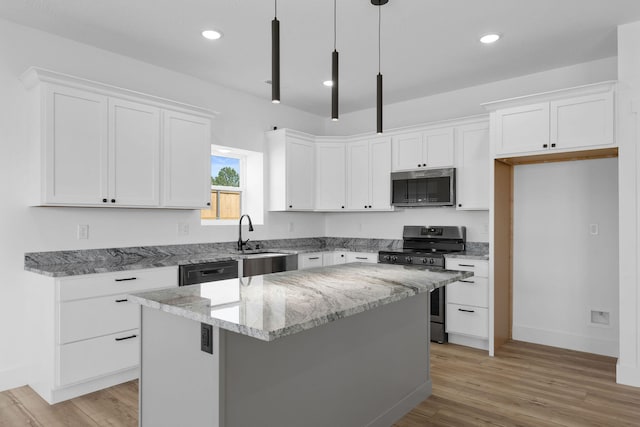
121 282
479 267
362 257
92 358
470 291
310 260
95 317
467 320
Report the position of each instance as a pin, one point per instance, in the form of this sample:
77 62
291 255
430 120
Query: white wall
628 368
241 123
561 271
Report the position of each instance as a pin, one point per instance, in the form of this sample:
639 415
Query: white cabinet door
380 173
472 171
438 148
408 152
187 153
75 147
358 197
134 154
300 174
522 129
584 121
330 176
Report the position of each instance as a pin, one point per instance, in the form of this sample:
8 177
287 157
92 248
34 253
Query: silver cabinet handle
361 257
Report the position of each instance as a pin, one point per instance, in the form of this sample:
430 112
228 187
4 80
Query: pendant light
334 71
379 78
275 57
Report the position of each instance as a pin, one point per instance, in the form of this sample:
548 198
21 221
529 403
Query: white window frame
221 151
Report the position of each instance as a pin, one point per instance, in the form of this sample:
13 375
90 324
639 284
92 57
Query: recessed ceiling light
211 34
328 83
489 38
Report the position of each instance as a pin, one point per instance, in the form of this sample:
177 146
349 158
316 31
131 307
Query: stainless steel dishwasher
192 274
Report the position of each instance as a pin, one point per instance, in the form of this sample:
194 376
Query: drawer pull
126 279
466 311
466 281
361 257
126 338
208 272
122 300
466 265
314 257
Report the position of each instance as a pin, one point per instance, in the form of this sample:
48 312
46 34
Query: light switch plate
83 232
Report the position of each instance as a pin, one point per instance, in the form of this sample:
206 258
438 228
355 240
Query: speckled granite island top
276 305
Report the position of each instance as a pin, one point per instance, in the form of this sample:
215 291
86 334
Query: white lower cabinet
310 260
371 257
334 258
467 311
89 333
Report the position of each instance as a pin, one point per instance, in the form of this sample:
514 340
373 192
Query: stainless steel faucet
241 243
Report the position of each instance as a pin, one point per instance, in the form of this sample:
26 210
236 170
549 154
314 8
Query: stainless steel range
427 246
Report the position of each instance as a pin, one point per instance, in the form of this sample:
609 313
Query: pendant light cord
379 25
334 25
275 3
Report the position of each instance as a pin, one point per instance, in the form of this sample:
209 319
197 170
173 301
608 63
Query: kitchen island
342 345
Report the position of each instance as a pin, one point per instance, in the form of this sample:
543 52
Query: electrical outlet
183 229
83 231
206 338
600 317
594 230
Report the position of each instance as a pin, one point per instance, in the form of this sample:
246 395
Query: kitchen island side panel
179 384
365 370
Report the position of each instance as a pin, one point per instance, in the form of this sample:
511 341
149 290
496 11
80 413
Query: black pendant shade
275 61
379 104
334 88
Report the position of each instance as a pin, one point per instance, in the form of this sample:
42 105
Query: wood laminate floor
524 385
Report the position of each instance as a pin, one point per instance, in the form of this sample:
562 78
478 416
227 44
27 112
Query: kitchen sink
257 263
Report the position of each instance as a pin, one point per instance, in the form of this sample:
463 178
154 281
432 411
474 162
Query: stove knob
408 260
425 260
432 261
394 258
386 258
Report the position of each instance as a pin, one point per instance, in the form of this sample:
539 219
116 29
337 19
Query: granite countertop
276 305
91 261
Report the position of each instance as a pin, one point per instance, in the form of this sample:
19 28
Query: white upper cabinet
134 154
472 166
584 121
433 148
561 121
368 169
187 151
74 148
522 129
330 176
98 145
291 159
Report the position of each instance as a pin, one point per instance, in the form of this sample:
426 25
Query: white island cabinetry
88 330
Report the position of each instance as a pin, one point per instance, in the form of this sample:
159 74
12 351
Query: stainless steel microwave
429 187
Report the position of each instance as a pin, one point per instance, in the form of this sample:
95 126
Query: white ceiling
428 46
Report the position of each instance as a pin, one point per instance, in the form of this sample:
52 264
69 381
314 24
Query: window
227 185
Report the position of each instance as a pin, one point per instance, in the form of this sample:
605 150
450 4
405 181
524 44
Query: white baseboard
12 378
628 375
565 340
468 341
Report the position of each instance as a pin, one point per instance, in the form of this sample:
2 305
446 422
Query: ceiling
428 46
